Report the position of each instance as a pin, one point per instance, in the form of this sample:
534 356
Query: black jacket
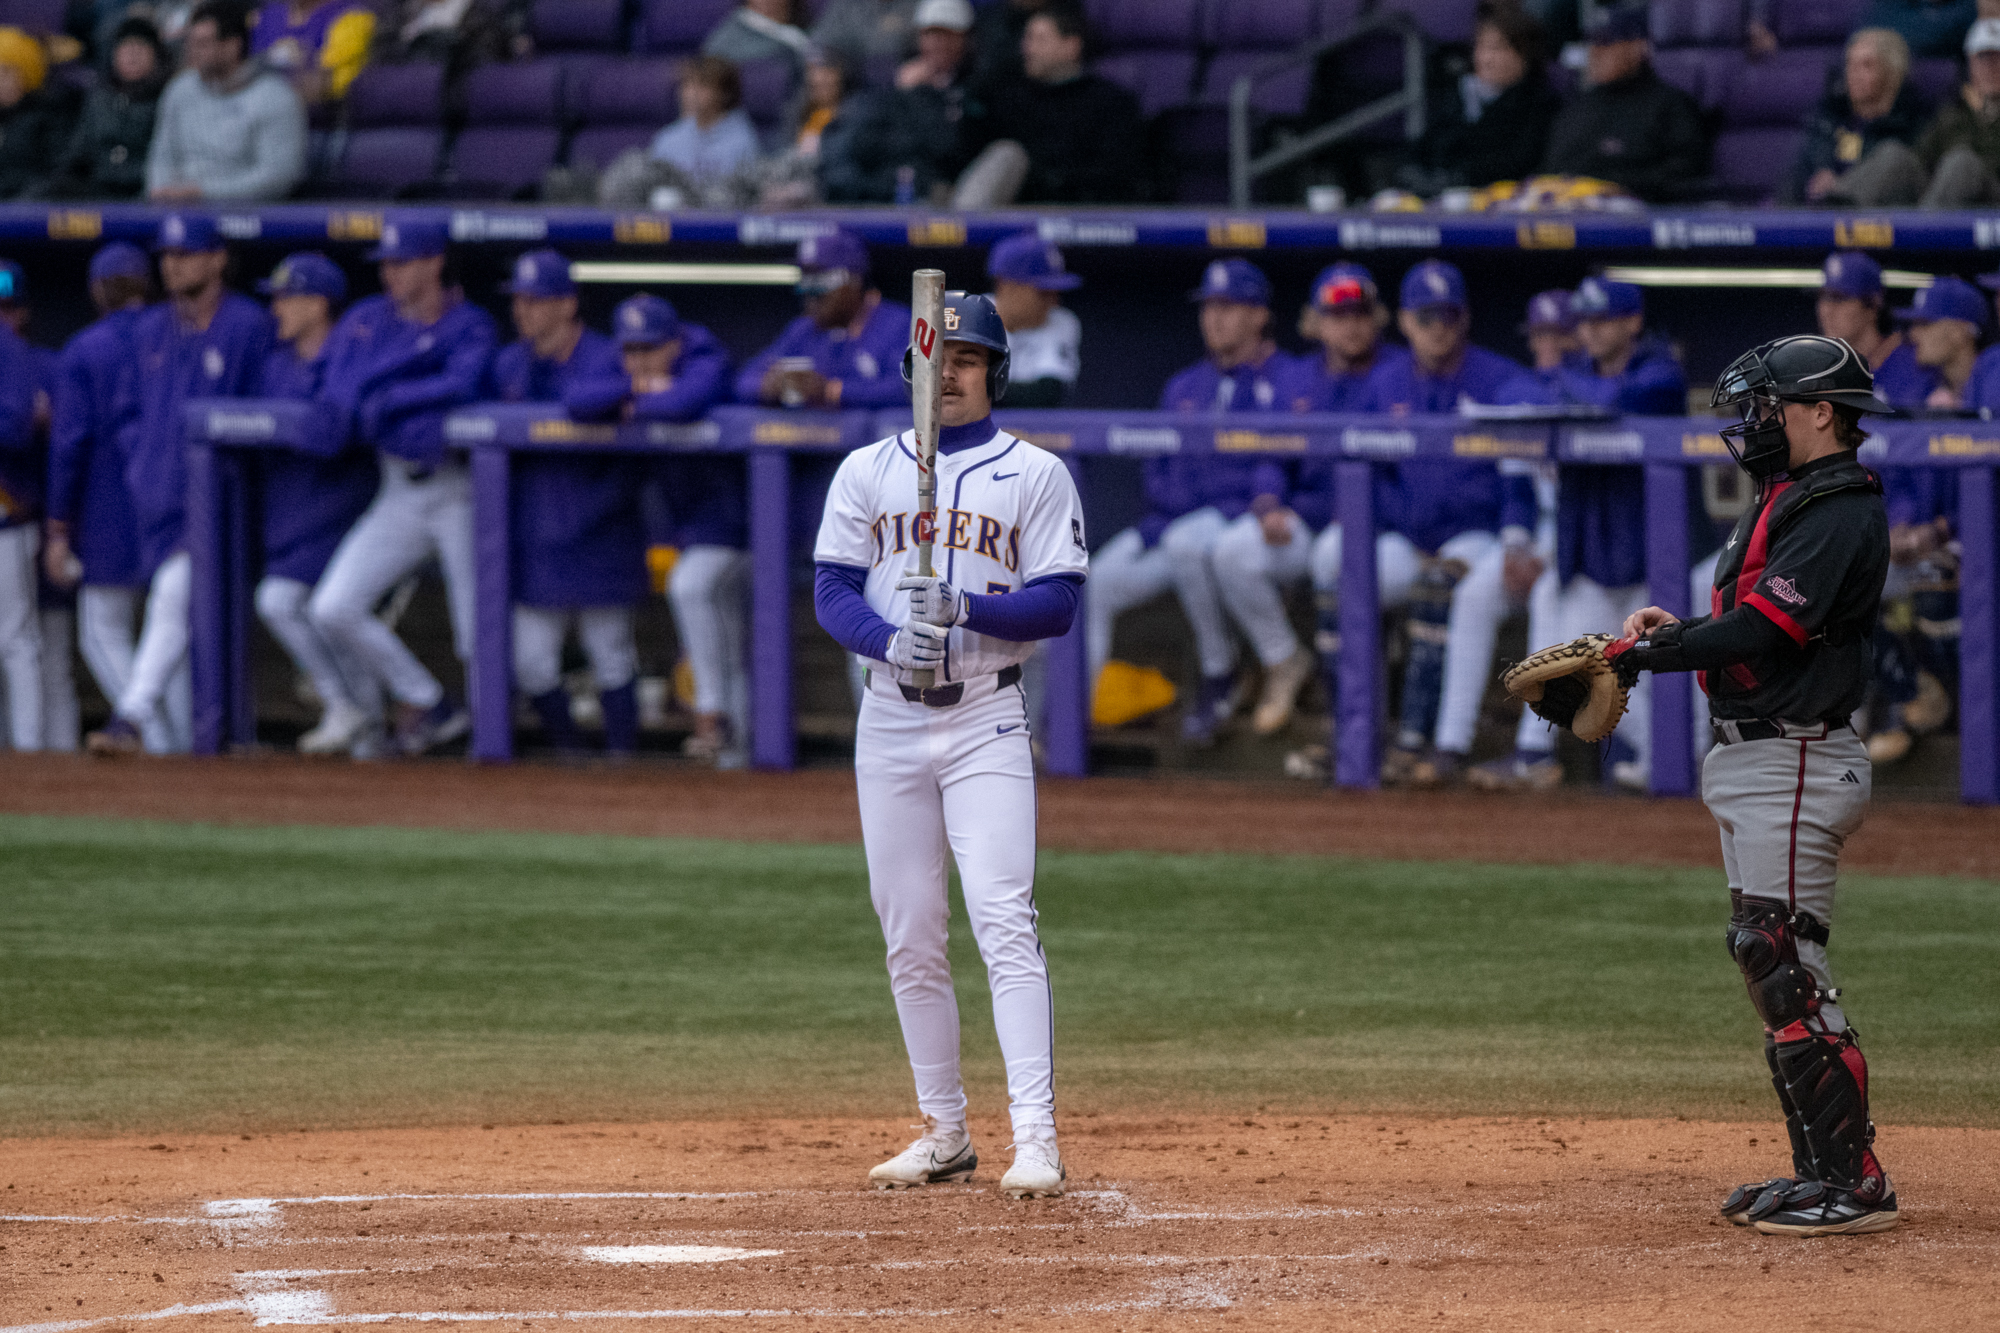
1836 138
106 156
878 132
32 135
1506 143
1085 139
1641 133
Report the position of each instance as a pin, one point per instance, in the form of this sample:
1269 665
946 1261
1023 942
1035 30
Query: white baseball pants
709 591
1124 573
21 635
606 634
162 655
409 522
1477 608
104 635
62 727
1252 575
961 778
338 679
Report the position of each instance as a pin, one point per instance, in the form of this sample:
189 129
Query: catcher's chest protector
1742 562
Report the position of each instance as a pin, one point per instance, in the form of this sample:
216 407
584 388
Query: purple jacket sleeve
17 396
458 383
845 614
750 380
69 435
1041 610
702 382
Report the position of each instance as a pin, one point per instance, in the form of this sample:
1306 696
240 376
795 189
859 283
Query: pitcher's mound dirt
1286 1223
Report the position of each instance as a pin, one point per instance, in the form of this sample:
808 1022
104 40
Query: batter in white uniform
950 766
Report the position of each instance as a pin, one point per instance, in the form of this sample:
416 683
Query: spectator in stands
320 45
1629 126
35 118
1043 338
1550 331
1931 27
790 178
1946 322
867 34
846 350
996 38
706 157
1953 163
106 156
1851 306
903 144
1056 134
761 30
454 33
1493 123
228 128
1875 103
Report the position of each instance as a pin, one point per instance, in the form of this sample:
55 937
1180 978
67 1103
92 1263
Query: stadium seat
1763 105
41 17
1699 73
1197 143
1260 24
1282 94
623 105
1441 20
578 25
1697 22
1814 22
1121 25
395 131
1159 79
678 25
767 86
1936 77
513 131
1747 164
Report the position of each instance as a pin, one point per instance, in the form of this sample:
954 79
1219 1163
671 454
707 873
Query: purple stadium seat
1120 25
1936 77
623 105
1270 24
1198 145
1159 79
1814 22
1694 71
1748 163
1281 95
1779 90
401 95
386 162
678 25
578 25
1338 16
512 132
1697 22
767 84
1441 20
41 17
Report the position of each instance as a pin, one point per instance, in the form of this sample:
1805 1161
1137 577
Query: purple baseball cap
1431 284
821 257
191 233
410 236
1027 258
1852 274
1597 299
307 273
1341 285
1236 280
1550 310
540 273
1946 298
120 259
645 321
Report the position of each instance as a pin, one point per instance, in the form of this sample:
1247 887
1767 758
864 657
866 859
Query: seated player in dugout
844 349
310 500
1044 337
1454 537
1550 332
578 538
1599 574
1191 501
675 372
1269 548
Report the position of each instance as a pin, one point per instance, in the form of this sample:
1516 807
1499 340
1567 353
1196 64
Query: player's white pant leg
1544 628
163 643
539 632
606 633
21 635
388 541
707 592
1124 573
1189 542
1397 564
104 635
177 710
281 605
1253 574
62 727
1478 605
448 521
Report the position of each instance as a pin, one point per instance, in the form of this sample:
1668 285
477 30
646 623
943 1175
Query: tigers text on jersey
1008 514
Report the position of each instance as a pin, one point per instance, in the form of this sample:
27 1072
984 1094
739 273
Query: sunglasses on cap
819 282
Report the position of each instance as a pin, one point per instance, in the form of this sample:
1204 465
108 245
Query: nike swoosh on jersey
1002 476
1002 731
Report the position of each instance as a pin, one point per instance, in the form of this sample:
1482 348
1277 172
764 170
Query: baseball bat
927 358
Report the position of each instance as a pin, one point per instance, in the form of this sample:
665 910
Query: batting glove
918 647
933 601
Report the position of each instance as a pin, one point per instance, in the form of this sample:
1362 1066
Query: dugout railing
224 559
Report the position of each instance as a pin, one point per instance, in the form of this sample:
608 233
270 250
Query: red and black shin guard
1822 1085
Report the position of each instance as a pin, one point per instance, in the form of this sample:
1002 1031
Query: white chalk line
671 1254
171 1312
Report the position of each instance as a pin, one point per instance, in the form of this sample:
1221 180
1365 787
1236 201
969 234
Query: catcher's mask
1804 369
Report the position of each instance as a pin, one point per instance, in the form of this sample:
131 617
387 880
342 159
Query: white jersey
1008 514
1051 352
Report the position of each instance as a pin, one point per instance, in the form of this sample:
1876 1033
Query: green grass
169 977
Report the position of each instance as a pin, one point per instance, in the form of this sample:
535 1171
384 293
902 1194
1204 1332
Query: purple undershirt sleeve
1042 610
843 611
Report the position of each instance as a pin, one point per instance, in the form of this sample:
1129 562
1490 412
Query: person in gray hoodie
228 128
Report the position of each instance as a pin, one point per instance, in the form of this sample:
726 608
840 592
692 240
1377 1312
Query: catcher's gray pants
1786 807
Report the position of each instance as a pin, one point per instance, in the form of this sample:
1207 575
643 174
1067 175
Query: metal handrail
1410 100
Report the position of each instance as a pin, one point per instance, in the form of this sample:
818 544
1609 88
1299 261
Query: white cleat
1037 1172
943 1153
339 728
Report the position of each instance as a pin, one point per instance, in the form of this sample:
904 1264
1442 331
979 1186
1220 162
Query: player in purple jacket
676 372
1550 330
55 614
204 341
1853 306
310 501
579 542
846 350
20 541
1454 538
396 366
1190 502
1269 548
92 535
1599 574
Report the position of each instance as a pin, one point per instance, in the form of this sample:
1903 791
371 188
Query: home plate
671 1254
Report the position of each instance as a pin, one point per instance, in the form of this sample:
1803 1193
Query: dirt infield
1470 1224
1102 814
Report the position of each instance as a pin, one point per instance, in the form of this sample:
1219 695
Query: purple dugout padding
1668 445
1067 686
490 673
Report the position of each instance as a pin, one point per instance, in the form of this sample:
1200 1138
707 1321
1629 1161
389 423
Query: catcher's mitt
1572 685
